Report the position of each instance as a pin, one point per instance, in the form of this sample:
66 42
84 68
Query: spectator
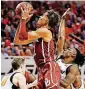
13 49
22 53
3 45
28 52
3 53
7 42
9 52
7 28
83 34
12 33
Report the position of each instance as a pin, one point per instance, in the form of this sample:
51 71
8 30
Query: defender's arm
70 77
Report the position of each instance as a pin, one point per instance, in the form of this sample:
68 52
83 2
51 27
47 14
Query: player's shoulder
44 33
74 68
18 76
44 30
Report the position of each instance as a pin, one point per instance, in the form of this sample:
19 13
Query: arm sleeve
23 34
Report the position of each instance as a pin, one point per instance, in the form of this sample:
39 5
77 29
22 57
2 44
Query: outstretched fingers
22 10
64 15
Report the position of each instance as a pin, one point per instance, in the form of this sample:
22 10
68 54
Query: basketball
23 5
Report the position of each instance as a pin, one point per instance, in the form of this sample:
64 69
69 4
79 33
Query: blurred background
75 30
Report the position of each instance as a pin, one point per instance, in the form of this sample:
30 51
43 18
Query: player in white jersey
70 56
63 68
71 78
17 80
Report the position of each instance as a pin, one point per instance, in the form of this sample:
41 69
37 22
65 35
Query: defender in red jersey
48 70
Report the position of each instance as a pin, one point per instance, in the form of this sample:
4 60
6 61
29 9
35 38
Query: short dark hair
80 58
17 62
53 18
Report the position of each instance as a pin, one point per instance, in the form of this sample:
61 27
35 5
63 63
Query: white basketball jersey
8 84
63 68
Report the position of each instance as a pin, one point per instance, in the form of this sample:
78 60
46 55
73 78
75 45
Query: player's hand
26 12
65 13
32 84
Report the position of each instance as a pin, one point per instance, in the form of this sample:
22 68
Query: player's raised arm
23 9
61 34
23 37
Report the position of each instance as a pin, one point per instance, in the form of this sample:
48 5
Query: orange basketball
23 5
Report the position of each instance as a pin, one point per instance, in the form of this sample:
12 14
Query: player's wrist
23 20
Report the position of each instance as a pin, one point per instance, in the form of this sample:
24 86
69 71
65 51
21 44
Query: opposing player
17 80
72 59
48 70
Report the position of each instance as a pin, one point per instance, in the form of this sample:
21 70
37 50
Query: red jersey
44 51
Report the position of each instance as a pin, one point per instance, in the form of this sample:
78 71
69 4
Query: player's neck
18 70
45 26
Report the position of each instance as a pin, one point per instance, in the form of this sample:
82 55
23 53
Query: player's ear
21 66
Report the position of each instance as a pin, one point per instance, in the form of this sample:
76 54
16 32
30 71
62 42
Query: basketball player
48 70
17 80
29 78
72 59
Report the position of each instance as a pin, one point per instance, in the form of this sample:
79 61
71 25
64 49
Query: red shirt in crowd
7 42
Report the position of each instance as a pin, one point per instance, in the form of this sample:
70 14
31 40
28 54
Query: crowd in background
75 25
